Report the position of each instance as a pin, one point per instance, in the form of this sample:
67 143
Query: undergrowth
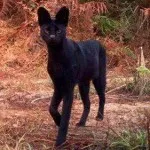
129 140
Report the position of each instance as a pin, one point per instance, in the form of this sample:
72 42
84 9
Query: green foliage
130 86
141 82
142 70
130 141
120 23
129 52
105 24
118 28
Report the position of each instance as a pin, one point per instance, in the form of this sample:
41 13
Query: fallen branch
115 89
88 146
38 99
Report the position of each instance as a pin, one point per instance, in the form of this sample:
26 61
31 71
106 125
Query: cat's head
53 31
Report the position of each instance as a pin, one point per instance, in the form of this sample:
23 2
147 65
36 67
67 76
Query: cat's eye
58 31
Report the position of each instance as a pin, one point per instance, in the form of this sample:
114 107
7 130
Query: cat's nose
52 36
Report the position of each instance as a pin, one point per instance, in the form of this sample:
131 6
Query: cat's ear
43 16
62 16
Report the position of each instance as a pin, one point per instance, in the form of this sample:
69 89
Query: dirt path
25 122
24 118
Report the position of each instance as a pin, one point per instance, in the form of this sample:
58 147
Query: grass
130 140
106 24
141 83
125 140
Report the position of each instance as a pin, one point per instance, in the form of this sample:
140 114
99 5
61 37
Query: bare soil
24 116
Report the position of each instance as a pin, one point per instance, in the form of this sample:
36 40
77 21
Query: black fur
71 63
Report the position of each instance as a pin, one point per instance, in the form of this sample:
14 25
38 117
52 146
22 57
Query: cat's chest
59 69
56 70
66 72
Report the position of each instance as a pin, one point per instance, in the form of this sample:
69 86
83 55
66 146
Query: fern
105 24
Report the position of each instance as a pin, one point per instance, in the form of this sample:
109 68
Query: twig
118 135
87 146
115 89
38 99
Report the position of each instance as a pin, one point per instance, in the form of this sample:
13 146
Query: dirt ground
25 120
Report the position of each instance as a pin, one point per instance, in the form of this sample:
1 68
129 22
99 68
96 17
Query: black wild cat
71 63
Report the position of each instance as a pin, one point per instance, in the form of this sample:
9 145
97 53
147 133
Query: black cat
71 63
